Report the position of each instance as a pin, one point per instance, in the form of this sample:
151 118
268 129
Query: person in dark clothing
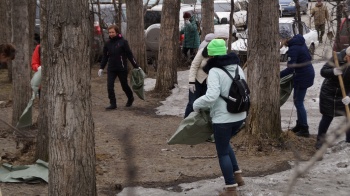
7 53
299 64
331 99
116 52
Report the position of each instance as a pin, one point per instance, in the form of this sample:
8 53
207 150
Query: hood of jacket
296 40
220 61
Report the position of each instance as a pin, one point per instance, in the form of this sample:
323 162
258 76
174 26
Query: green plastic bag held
26 118
137 82
194 129
286 85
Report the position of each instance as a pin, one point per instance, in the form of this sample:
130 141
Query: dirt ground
131 146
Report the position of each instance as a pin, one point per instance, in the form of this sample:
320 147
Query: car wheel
312 51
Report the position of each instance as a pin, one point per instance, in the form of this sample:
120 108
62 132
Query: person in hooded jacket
225 124
190 31
197 77
299 64
331 98
116 52
320 14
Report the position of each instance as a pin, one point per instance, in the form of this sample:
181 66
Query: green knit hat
217 47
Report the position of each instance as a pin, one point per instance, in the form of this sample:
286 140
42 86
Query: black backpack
238 99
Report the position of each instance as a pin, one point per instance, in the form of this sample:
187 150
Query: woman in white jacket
197 77
225 124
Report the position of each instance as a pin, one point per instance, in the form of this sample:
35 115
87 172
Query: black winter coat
331 96
115 52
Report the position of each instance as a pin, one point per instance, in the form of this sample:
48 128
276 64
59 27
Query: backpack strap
237 77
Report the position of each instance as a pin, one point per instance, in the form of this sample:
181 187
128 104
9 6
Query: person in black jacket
116 52
331 99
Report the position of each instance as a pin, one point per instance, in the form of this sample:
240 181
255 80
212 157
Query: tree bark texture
21 88
168 57
66 58
264 119
5 30
207 18
42 139
135 31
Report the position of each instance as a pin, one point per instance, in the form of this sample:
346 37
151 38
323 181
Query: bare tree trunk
21 64
264 119
135 31
42 139
207 18
66 51
5 31
168 47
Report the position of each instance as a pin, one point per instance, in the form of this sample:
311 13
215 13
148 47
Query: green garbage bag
286 85
26 118
137 82
194 129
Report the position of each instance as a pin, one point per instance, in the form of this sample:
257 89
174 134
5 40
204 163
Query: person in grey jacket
197 78
225 124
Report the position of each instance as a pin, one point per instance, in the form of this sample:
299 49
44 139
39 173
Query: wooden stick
341 84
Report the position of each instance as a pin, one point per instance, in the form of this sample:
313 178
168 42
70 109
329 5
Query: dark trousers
123 78
192 52
324 125
201 89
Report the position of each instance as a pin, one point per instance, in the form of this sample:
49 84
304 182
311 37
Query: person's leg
299 96
185 51
347 139
227 159
322 130
123 78
322 30
111 76
189 107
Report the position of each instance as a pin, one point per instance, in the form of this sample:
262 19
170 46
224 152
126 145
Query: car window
224 7
285 26
151 17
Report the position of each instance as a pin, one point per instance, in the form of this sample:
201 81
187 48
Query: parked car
288 7
223 9
310 35
344 33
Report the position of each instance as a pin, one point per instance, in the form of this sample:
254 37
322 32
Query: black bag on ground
238 99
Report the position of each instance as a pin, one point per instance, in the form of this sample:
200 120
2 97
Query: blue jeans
201 89
227 159
298 97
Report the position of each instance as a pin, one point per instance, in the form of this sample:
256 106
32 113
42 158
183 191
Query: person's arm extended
130 55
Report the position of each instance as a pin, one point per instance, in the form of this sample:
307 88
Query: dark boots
130 101
296 128
303 131
113 105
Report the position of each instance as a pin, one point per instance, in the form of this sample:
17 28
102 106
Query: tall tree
264 119
5 30
169 52
21 64
42 139
135 31
65 46
207 18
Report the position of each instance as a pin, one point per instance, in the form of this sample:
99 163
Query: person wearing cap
225 124
197 77
190 31
298 64
332 103
320 14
